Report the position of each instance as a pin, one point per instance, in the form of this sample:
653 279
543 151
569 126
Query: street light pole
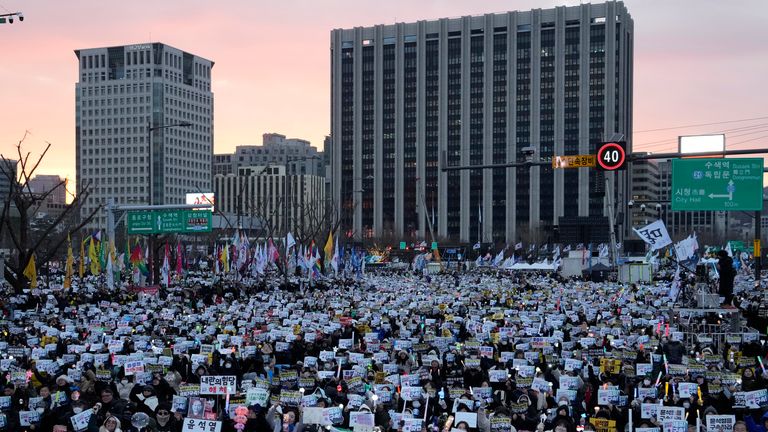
151 190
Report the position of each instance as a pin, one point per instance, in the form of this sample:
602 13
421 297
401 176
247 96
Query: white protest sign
675 426
648 410
196 425
28 418
80 421
256 395
720 423
666 413
361 418
218 384
133 367
468 417
686 390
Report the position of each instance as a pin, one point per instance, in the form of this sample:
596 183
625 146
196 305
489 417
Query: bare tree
30 236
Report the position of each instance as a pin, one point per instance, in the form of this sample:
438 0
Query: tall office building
474 90
645 198
144 125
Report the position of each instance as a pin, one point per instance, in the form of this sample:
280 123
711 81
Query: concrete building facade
410 97
144 125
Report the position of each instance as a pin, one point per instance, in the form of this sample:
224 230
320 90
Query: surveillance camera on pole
9 17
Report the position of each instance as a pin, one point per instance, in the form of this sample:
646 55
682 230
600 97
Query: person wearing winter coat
753 426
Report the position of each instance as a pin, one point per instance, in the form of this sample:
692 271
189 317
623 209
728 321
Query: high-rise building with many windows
144 125
475 90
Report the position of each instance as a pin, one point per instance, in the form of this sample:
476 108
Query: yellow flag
70 262
81 268
31 272
95 268
329 247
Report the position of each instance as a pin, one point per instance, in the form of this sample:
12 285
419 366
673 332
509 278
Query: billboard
201 198
701 143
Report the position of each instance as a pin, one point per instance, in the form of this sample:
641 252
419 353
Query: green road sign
169 221
434 245
717 184
402 245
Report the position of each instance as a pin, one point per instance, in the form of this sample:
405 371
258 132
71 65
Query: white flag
519 246
289 242
499 258
655 234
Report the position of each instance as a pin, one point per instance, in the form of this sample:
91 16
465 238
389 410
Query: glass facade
499 138
472 91
453 156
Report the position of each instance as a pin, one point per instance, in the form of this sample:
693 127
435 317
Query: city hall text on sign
717 184
168 221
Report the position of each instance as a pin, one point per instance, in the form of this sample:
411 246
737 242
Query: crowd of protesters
487 352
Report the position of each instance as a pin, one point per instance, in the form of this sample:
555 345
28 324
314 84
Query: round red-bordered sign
612 163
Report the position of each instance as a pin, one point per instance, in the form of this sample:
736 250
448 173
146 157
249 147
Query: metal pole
609 195
111 219
758 256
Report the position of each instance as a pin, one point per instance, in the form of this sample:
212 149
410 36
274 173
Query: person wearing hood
163 390
164 421
527 420
111 424
145 399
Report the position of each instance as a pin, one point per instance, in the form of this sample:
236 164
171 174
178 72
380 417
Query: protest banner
218 384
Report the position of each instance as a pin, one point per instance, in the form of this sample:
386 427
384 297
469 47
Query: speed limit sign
611 156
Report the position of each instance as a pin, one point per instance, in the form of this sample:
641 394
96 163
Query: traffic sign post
717 184
169 221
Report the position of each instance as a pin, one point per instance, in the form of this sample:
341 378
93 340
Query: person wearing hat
164 421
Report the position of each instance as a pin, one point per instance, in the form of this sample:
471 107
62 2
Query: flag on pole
81 267
476 246
654 234
178 258
328 249
109 269
316 263
335 259
289 241
499 258
68 270
518 246
30 272
95 268
165 270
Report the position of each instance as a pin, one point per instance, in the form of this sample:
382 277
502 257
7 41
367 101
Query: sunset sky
696 62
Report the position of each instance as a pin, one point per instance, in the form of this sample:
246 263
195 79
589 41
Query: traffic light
612 156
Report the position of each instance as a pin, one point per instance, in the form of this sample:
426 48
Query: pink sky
696 61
